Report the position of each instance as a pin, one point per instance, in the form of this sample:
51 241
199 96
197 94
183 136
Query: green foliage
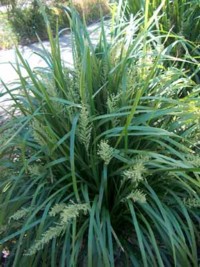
12 3
23 25
180 16
8 38
177 18
26 23
90 10
29 22
102 165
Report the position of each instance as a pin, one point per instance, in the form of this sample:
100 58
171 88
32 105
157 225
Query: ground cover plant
101 164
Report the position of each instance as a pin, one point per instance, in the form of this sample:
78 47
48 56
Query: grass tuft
105 155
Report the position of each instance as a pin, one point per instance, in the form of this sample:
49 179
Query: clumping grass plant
100 167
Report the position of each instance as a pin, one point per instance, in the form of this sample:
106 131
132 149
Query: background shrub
8 37
29 22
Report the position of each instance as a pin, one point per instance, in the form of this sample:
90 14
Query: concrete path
7 72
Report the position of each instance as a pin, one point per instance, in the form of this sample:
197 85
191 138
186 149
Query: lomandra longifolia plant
101 164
